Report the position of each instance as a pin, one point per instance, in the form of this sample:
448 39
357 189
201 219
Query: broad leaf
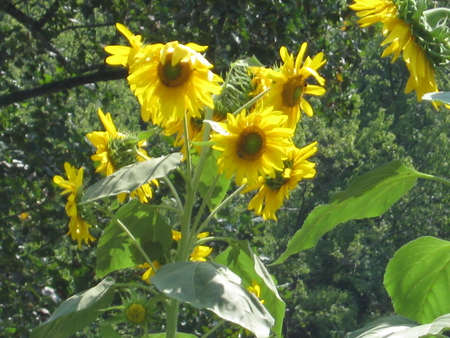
443 97
108 332
370 195
401 327
209 174
417 279
240 259
163 335
77 312
115 249
131 177
383 327
214 287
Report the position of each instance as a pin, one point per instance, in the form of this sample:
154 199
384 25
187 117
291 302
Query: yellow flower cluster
401 39
78 228
174 85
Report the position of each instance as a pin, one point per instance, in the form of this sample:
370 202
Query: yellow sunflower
172 79
400 37
78 228
124 55
146 276
255 288
273 191
252 145
289 84
199 253
114 151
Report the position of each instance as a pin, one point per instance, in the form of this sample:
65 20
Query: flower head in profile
78 228
252 145
273 191
115 150
173 79
290 84
402 37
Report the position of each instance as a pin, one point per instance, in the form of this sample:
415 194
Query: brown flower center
252 144
292 91
174 75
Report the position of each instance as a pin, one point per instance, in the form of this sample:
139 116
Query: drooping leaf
131 177
207 178
77 312
402 327
240 259
370 195
417 279
383 327
214 287
116 250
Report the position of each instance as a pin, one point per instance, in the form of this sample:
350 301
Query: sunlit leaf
248 62
131 177
77 312
417 279
214 287
402 327
240 259
116 250
370 195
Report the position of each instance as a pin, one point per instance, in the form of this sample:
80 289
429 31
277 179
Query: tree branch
106 74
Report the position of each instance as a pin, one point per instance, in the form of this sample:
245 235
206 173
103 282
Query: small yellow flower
78 228
200 251
146 276
255 288
114 151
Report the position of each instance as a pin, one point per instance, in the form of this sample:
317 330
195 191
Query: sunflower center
136 313
174 75
251 144
293 91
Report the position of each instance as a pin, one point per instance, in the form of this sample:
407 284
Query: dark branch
35 29
107 74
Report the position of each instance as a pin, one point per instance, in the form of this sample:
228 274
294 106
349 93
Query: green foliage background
363 121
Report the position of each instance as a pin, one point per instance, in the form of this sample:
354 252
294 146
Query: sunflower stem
433 178
219 324
251 102
205 202
172 309
174 193
220 206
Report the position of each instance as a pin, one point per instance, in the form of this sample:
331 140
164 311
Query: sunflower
289 87
199 253
252 145
124 55
399 32
273 191
255 288
172 79
114 151
146 276
78 228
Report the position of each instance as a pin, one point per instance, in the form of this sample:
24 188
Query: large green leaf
207 178
131 177
240 259
214 287
401 327
115 249
77 312
417 279
370 195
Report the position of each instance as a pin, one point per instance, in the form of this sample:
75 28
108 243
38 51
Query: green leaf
131 177
248 62
216 288
417 279
143 135
443 97
383 327
77 312
108 332
209 173
163 335
370 195
401 327
115 249
240 259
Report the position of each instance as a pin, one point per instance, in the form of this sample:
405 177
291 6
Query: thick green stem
434 178
172 309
